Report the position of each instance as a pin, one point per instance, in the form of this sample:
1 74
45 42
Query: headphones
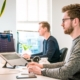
36 58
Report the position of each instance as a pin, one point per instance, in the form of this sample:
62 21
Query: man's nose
62 24
38 30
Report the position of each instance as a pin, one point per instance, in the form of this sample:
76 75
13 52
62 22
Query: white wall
57 30
8 19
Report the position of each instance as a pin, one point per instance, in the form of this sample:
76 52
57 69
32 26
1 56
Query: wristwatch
43 72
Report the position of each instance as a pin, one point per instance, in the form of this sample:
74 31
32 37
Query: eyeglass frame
63 20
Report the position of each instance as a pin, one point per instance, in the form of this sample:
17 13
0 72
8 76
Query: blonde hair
45 24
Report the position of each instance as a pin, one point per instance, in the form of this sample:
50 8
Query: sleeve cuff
43 72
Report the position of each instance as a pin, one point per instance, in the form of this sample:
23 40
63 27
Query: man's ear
76 21
45 28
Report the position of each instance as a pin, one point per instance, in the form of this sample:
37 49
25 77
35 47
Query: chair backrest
63 52
6 42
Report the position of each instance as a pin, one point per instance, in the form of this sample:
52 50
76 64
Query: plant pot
27 52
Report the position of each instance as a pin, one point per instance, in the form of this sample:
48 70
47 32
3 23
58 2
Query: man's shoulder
77 44
51 38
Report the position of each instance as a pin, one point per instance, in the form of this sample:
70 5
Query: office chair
63 52
6 42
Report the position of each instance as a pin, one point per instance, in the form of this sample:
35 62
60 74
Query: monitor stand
5 66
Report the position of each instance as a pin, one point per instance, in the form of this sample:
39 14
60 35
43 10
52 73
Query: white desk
13 77
4 75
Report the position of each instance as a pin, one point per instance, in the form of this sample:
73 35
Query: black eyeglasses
63 20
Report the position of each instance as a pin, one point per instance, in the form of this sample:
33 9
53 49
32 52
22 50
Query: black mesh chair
63 52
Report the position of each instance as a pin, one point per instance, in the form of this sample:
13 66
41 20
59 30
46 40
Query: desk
12 76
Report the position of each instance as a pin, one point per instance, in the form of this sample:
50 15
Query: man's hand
35 69
26 56
34 64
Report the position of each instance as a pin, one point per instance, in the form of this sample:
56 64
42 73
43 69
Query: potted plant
26 48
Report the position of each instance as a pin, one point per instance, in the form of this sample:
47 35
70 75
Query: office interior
8 20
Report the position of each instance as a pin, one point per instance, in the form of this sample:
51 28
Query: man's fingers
30 69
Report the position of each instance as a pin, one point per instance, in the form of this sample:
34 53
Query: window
29 14
29 39
32 10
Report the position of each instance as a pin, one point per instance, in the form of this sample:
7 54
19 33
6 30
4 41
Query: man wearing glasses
69 70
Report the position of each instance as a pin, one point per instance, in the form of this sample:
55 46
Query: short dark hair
45 24
73 10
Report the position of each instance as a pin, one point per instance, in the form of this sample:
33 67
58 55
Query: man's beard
69 30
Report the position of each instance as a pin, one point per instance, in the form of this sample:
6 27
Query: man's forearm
67 70
37 54
54 65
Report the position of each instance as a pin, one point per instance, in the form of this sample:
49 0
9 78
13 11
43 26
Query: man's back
51 49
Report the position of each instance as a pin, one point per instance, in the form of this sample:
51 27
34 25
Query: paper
8 71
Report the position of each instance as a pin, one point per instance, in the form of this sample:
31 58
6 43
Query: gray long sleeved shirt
64 70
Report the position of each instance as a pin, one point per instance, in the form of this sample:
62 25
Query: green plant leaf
25 46
2 8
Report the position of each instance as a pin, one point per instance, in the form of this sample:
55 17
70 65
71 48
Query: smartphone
24 76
